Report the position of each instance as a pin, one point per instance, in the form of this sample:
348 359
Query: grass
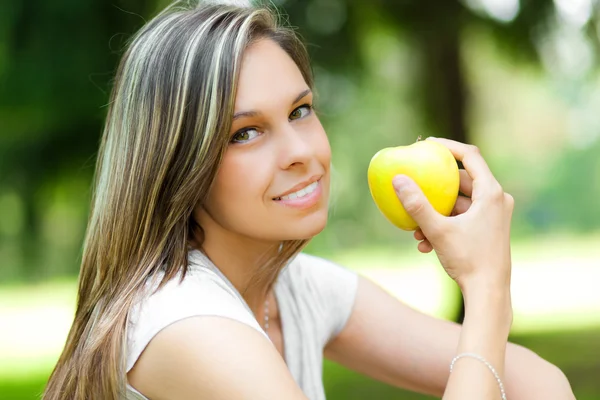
577 353
26 388
557 314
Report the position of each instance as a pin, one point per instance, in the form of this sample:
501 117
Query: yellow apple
430 164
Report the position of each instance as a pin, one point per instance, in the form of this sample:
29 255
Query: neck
239 259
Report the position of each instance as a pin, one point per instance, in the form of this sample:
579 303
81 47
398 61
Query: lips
299 188
300 193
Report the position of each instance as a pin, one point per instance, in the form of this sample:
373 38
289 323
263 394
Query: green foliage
387 71
575 353
570 199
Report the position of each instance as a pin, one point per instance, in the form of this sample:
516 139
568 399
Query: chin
307 227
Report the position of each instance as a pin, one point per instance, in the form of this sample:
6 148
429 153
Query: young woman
213 174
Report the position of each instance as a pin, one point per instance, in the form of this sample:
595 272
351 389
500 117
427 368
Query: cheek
240 180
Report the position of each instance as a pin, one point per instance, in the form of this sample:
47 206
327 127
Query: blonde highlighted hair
166 131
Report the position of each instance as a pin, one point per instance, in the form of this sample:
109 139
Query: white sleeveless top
315 298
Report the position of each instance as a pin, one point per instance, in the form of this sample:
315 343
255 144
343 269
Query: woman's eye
244 135
301 112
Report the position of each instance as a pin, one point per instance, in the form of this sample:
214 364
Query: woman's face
273 183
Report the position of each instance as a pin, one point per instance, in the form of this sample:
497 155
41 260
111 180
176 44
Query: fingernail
400 182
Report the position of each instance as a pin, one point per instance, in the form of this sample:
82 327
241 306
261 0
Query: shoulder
196 339
200 293
194 291
327 287
212 357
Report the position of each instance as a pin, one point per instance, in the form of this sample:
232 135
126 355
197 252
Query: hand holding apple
473 247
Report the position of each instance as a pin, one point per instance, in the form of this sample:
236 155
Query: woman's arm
212 358
391 342
473 247
487 322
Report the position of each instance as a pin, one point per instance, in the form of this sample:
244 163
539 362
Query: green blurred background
519 78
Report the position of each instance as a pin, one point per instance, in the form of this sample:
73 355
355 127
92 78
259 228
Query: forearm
528 376
485 332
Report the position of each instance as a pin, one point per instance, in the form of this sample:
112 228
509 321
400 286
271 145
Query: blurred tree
435 28
56 60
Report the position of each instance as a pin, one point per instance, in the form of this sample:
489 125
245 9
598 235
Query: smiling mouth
300 193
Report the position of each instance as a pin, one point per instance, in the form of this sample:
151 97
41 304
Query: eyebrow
253 113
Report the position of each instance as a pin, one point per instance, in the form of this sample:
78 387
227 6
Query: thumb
415 203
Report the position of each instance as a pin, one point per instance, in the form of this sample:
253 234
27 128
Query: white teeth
301 193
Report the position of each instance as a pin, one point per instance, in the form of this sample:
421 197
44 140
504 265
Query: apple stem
419 138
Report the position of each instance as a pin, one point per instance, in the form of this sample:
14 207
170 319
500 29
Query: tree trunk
443 76
30 239
437 30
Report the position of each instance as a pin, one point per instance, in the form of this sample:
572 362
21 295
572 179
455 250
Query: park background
518 78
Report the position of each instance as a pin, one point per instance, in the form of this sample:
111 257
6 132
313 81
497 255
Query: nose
295 147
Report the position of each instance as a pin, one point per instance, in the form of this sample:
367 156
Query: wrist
489 302
484 284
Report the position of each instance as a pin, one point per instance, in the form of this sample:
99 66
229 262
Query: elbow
566 390
537 378
561 387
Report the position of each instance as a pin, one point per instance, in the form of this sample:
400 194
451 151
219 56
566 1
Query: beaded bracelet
483 360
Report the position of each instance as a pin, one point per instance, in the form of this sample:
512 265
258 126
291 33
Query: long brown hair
166 131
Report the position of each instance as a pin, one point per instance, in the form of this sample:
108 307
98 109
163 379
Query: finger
470 157
466 183
425 246
462 205
416 204
419 235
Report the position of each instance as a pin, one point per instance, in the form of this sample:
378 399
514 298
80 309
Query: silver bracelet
483 360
